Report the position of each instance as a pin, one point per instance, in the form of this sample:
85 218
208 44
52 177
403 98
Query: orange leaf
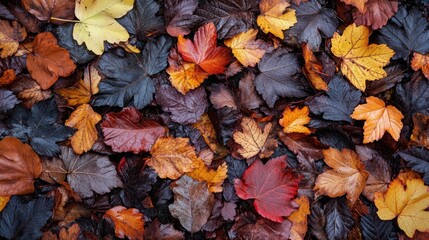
214 178
29 91
71 233
293 121
203 50
299 219
252 139
8 77
274 19
84 120
421 61
359 4
246 48
313 69
379 118
48 60
348 175
3 202
128 222
208 132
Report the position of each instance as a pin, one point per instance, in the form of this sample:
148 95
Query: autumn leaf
406 199
252 138
377 13
420 135
246 48
359 4
172 157
379 118
347 176
299 219
128 222
421 61
360 61
273 19
293 121
45 9
97 23
11 33
272 187
3 201
180 17
48 61
28 91
70 233
19 167
313 69
84 119
203 50
213 178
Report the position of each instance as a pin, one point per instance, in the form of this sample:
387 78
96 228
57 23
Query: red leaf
272 187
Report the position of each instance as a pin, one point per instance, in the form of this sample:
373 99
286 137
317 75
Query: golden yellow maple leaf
82 91
379 118
359 4
274 19
246 48
252 138
172 157
360 61
406 198
293 121
97 23
214 178
84 119
347 176
299 219
421 61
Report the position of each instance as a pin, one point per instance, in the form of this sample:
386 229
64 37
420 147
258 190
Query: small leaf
313 69
252 138
213 178
11 33
293 121
7 100
421 61
377 13
420 135
128 222
274 19
246 48
299 219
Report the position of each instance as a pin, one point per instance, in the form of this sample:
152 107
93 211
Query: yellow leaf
97 23
81 92
214 178
84 120
359 4
207 131
379 118
421 61
246 48
273 19
406 199
172 157
299 219
252 138
293 121
348 175
360 61
3 202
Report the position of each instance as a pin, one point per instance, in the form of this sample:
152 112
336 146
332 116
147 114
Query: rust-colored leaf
128 222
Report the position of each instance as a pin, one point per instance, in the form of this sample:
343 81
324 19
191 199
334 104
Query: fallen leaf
246 48
192 203
339 219
7 100
274 19
179 16
313 69
221 96
208 132
252 138
407 200
421 61
97 23
249 97
305 145
128 222
413 96
360 61
395 74
379 118
45 9
264 229
228 211
84 119
420 135
3 202
359 4
418 160
11 33
53 170
28 91
213 178
376 14
272 187
293 121
157 231
8 77
71 233
299 219
374 228
172 157
347 176
48 61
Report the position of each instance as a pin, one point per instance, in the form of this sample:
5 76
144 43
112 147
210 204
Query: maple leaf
172 157
213 178
252 138
293 121
128 131
97 23
421 61
299 219
377 13
273 19
272 187
179 16
348 175
203 50
128 222
84 119
313 69
246 48
48 61
407 200
45 9
360 61
19 167
359 4
379 118
11 34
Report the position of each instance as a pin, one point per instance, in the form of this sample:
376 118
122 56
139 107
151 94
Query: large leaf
339 219
136 87
275 17
373 228
418 160
179 16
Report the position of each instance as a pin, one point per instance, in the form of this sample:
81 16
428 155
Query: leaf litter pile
214 119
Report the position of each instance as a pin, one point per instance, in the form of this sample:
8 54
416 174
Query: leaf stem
65 20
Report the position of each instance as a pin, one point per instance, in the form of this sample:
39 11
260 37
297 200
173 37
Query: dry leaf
11 33
252 138
213 178
421 61
313 69
274 19
71 233
377 13
3 201
207 131
293 121
420 136
28 91
246 48
128 222
359 4
299 219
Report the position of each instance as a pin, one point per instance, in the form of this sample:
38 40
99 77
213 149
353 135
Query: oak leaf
252 138
377 13
19 167
172 157
213 178
406 198
84 119
128 222
313 69
246 48
347 176
11 33
48 61
274 19
421 61
293 121
272 187
379 118
359 4
360 61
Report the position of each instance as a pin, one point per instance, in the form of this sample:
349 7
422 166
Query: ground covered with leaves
214 119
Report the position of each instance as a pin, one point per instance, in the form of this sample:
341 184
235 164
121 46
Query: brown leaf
221 96
128 222
249 98
420 136
71 233
19 167
28 91
45 9
313 69
11 33
376 13
307 146
157 231
265 229
53 170
207 131
48 60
